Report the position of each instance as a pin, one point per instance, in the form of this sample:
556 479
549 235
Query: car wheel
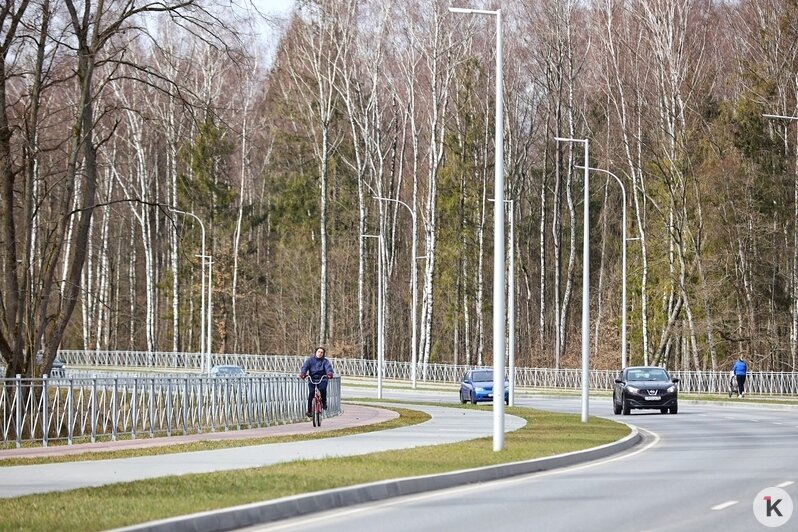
473 399
674 409
663 410
626 409
462 399
616 408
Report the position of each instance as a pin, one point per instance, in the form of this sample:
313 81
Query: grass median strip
119 505
406 417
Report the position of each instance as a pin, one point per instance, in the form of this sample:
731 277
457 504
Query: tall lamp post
511 306
414 291
380 317
585 282
623 266
498 240
205 354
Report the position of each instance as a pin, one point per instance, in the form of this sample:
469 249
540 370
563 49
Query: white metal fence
161 394
87 408
704 382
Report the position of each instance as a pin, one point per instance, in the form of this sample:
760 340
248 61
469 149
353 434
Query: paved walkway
352 416
447 425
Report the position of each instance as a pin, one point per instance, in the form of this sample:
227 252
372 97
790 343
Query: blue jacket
740 367
316 367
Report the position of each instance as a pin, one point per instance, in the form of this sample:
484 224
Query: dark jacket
316 367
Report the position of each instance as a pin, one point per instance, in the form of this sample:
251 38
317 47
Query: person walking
740 371
317 366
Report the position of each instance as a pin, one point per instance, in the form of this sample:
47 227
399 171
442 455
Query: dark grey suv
648 387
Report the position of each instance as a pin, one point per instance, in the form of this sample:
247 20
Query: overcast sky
274 7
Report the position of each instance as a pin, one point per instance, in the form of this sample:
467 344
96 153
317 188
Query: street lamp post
498 240
380 316
205 354
414 291
511 306
585 281
623 266
209 341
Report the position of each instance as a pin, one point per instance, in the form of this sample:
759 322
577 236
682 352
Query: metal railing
702 382
87 408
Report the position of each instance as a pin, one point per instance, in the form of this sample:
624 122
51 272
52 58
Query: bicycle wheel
317 419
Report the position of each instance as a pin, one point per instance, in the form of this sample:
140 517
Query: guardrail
702 382
88 408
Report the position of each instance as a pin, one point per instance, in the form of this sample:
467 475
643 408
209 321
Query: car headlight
672 389
632 389
480 389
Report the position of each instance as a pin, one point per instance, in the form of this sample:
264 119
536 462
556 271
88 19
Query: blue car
477 385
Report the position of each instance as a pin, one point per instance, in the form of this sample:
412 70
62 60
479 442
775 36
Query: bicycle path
447 425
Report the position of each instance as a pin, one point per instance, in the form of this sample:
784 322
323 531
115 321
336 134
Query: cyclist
317 366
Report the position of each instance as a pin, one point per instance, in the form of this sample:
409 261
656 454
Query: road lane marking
724 505
785 484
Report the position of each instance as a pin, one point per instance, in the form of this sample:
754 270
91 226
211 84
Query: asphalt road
698 470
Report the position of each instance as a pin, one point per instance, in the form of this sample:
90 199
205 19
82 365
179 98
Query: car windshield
228 370
647 375
482 376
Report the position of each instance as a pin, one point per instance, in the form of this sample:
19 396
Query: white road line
785 484
724 505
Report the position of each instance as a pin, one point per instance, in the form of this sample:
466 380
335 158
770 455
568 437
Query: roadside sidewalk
446 425
352 416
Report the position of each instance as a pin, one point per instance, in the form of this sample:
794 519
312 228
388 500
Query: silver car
228 371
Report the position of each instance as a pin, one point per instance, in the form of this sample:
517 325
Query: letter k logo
777 508
772 506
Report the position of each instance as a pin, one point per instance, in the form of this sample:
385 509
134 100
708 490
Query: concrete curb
298 505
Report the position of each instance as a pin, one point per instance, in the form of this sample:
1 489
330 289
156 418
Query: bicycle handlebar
318 381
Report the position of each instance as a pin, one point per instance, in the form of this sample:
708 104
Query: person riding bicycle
317 367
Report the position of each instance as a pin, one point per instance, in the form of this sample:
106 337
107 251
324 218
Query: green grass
125 504
406 417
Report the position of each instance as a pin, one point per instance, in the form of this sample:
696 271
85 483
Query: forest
177 179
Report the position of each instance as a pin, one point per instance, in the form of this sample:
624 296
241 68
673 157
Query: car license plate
653 398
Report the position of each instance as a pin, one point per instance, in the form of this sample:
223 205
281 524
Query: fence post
134 408
45 410
168 406
212 385
18 420
185 405
93 409
200 403
114 408
152 407
70 413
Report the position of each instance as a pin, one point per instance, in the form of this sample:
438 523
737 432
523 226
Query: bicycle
316 406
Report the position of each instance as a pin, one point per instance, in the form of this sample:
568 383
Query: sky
274 7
